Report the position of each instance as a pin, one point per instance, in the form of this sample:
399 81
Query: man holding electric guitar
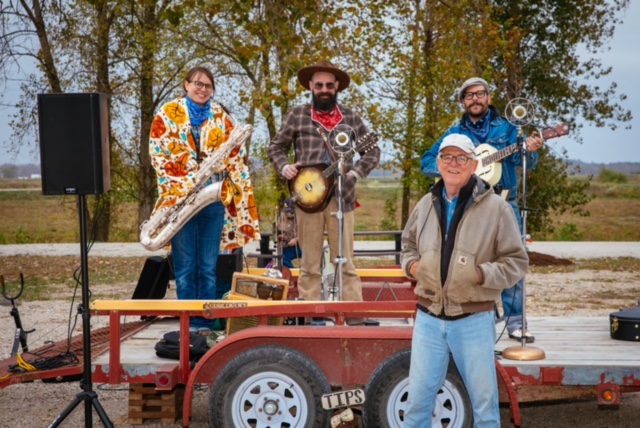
495 138
311 130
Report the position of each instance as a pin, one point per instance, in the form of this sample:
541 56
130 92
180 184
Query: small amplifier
255 287
260 287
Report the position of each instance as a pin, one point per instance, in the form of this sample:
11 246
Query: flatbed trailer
328 367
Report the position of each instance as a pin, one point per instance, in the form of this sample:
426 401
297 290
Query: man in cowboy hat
308 128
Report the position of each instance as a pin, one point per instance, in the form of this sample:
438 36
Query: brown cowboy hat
305 74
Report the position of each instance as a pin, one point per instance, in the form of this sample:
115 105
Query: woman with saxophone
185 132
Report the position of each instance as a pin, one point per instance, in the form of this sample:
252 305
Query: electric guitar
489 165
312 187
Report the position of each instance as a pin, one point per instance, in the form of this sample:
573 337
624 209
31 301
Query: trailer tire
251 389
387 392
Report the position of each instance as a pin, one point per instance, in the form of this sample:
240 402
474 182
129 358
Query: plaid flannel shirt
301 131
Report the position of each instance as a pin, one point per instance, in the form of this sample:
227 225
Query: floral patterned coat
173 156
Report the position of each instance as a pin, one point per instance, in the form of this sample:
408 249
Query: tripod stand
88 396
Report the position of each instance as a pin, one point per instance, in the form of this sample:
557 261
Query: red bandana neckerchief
328 120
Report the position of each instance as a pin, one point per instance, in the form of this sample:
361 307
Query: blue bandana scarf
197 113
481 128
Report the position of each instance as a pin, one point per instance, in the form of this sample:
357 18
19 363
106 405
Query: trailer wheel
268 387
388 390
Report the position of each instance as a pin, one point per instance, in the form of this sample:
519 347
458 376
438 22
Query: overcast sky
599 144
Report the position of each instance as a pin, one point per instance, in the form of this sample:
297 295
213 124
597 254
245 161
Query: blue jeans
195 251
512 298
470 341
289 254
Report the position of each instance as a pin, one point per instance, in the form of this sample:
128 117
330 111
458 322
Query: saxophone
156 232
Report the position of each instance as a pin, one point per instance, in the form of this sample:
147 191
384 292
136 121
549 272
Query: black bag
169 346
625 324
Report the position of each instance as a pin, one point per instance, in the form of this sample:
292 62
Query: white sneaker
517 334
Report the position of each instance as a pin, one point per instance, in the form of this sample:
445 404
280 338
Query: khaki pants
311 240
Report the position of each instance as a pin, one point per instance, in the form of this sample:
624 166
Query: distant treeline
9 170
594 168
585 168
26 170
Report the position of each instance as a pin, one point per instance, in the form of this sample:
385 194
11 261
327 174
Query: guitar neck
500 154
334 166
547 134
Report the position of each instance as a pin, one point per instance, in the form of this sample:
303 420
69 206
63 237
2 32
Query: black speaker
74 143
154 279
228 264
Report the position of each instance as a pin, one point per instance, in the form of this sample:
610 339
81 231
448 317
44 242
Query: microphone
342 139
520 111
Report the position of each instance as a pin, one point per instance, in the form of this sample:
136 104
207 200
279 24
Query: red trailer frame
347 355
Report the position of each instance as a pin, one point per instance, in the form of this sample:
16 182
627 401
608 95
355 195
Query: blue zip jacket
501 135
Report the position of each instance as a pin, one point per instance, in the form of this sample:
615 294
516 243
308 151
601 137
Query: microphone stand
523 352
340 259
279 243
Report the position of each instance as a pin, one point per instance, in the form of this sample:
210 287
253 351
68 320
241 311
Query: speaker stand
88 396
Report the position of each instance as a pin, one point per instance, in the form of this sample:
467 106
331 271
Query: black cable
506 320
45 363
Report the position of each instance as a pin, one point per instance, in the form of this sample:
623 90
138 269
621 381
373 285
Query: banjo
312 187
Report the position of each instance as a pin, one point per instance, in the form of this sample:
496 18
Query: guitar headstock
556 131
367 142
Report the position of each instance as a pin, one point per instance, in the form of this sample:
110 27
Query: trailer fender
514 406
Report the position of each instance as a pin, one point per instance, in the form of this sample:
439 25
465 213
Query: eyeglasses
328 85
461 159
479 94
201 85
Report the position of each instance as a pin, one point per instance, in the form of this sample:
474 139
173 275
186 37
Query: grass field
30 217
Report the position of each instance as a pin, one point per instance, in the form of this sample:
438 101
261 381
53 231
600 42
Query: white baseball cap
460 141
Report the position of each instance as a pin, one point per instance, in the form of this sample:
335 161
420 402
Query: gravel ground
551 294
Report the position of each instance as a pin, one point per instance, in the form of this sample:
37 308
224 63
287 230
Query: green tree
9 171
257 48
50 24
535 38
406 57
545 197
414 54
607 175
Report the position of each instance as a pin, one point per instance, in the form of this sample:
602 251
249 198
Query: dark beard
324 105
474 118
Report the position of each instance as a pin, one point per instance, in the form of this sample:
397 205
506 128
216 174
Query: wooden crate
247 287
240 323
145 402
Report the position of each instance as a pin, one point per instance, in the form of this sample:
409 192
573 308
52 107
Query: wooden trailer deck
579 351
581 360
575 342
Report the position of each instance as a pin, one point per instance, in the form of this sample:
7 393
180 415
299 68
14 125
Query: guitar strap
326 143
